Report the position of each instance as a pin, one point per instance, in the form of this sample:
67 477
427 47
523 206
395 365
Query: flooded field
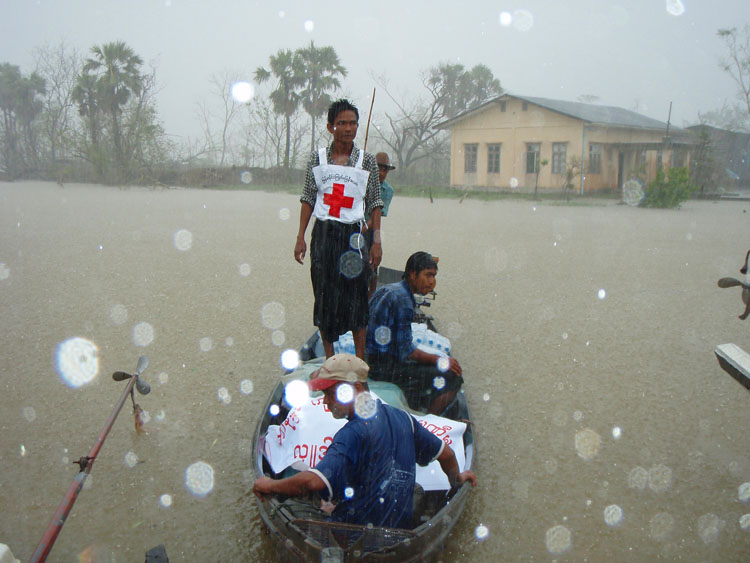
606 428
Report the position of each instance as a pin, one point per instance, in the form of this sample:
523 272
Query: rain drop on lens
438 382
743 492
143 334
601 294
616 432
246 177
242 92
505 19
296 393
613 515
183 240
289 359
481 532
309 26
443 364
284 214
383 335
199 478
274 410
351 264
77 361
165 501
244 269
349 492
246 387
344 394
356 241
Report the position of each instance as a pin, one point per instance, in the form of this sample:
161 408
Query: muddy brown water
606 428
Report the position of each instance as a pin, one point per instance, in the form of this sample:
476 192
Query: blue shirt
386 194
370 468
389 327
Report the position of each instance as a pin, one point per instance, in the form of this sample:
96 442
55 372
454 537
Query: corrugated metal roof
591 113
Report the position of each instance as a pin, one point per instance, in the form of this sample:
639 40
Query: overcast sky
629 53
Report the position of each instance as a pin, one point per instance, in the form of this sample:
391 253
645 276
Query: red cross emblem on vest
336 200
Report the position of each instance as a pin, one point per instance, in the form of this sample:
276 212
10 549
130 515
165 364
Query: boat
304 532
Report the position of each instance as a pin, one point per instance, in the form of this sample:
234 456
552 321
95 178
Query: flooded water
606 428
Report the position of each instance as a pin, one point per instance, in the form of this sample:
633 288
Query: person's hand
466 476
376 255
263 486
300 249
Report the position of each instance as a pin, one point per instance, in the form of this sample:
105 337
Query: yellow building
513 142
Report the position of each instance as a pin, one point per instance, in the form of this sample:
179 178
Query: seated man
368 471
429 381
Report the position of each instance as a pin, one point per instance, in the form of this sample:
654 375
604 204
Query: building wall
516 127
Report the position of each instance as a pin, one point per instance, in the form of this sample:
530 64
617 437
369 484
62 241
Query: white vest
341 190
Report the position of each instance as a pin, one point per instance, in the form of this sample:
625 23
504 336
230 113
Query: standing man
386 194
369 470
340 187
429 381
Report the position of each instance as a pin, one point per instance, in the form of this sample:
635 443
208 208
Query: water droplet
163 378
4 271
296 393
344 393
356 241
119 314
365 406
165 501
309 26
29 413
244 269
745 522
743 492
675 7
278 338
143 334
616 432
206 344
183 240
578 416
349 492
564 335
383 335
242 92
523 20
199 478
443 364
273 315
229 341
486 397
709 526
613 515
505 19
131 459
558 539
77 361
246 387
587 444
289 359
481 532
224 396
601 294
638 478
246 177
274 410
659 478
351 264
23 450
284 214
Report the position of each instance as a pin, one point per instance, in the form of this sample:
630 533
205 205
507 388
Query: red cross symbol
336 200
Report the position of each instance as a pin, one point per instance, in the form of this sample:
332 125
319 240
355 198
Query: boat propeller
143 387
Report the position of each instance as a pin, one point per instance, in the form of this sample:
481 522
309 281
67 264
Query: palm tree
285 66
116 71
321 68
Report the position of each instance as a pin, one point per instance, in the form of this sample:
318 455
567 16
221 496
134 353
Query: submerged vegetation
669 189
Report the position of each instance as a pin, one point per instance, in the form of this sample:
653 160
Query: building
515 142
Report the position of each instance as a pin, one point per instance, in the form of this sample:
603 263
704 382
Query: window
595 158
532 157
559 157
642 160
470 157
493 159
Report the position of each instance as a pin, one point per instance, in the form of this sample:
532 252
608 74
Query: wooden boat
304 532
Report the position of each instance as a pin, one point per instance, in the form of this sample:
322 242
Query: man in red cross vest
341 186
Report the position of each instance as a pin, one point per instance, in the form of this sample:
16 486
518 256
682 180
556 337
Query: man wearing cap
369 469
429 381
386 194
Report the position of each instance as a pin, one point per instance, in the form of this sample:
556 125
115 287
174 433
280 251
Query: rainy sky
636 54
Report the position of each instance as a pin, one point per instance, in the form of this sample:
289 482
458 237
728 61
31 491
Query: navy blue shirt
389 327
369 469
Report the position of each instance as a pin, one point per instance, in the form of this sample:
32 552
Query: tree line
95 118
